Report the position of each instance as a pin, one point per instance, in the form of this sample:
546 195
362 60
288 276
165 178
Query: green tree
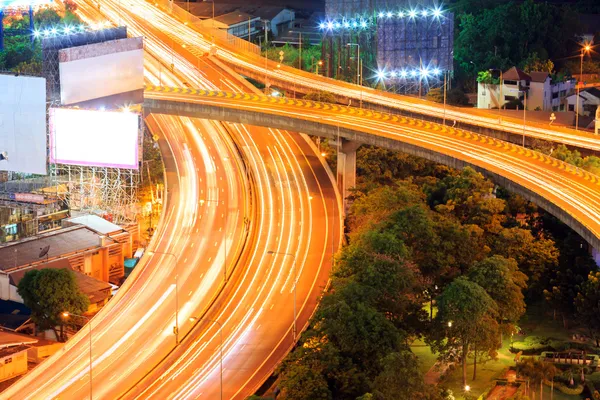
534 255
457 97
534 63
436 95
587 304
49 292
502 280
537 371
466 319
321 96
403 364
469 196
373 207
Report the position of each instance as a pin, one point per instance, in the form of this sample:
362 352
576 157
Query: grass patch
426 358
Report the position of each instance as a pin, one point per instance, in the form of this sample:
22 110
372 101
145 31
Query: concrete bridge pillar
346 168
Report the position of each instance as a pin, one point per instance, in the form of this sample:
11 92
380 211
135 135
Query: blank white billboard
101 70
94 138
23 124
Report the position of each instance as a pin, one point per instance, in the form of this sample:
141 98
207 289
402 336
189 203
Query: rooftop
95 223
539 76
234 18
11 339
61 242
7 351
593 91
515 74
95 289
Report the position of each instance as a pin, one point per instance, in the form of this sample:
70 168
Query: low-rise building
536 90
88 252
236 23
97 291
589 100
13 361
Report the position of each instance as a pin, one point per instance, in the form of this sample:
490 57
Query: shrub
590 388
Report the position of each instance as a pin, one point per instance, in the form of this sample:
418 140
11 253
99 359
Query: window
555 95
554 108
563 93
510 82
571 107
562 107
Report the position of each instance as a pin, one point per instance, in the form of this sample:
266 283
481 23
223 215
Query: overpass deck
568 192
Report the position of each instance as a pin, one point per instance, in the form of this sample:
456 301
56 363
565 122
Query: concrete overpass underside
542 179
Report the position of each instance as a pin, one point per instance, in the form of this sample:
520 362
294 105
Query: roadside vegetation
445 265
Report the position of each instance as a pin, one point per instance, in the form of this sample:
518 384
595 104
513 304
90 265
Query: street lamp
176 327
586 48
194 319
358 68
202 201
271 252
357 60
67 314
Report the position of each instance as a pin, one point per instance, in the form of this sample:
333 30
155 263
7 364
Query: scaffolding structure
401 40
109 192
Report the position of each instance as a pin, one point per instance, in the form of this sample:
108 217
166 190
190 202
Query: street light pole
358 68
194 319
295 283
67 314
445 73
585 49
224 238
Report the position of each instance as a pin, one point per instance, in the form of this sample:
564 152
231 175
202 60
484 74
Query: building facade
536 91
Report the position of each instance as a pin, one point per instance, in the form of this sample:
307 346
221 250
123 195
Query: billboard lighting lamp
412 14
424 13
390 14
363 24
322 25
381 15
400 14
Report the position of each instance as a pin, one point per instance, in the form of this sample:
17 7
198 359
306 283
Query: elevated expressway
161 14
571 194
233 194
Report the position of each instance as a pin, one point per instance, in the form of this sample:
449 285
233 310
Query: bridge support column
346 168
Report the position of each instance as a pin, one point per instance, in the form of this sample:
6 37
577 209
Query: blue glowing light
363 24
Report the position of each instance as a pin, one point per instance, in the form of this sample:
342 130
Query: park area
563 362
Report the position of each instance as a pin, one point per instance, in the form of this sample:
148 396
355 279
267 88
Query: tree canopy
48 293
